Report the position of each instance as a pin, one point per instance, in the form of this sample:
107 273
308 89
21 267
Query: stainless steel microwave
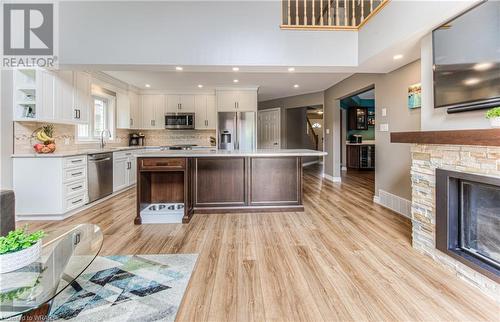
179 121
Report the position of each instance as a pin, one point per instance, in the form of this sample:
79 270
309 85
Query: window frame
110 119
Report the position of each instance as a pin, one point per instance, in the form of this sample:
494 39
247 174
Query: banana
39 136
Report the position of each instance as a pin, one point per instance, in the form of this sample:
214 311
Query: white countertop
72 153
225 153
365 142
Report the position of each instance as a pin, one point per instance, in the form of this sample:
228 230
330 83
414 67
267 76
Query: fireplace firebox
468 220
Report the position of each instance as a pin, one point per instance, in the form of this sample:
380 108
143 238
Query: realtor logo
28 29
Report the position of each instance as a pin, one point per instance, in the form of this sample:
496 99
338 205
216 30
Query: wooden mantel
487 137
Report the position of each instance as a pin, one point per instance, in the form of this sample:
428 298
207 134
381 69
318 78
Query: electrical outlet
66 141
384 112
327 131
384 127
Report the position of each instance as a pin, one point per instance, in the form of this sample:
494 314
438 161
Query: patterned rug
127 288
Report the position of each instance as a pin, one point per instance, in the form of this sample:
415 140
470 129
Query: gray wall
392 172
285 103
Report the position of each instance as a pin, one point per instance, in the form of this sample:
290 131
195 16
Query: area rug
127 288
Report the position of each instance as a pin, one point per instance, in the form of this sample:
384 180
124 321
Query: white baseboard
309 163
51 217
344 169
395 203
330 178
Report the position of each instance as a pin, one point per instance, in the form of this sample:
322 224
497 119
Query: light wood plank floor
344 259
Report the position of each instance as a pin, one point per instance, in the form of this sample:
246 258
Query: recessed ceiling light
296 85
482 66
235 81
235 69
291 69
147 85
398 56
471 81
200 86
179 68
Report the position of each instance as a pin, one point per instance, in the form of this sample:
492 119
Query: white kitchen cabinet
206 113
65 109
124 170
183 103
135 111
82 96
153 111
45 91
236 100
66 177
123 119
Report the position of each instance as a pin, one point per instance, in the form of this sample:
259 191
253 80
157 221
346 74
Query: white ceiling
271 85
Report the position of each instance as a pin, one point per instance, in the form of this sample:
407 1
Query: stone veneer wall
23 131
425 160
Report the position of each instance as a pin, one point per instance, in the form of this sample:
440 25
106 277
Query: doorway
269 129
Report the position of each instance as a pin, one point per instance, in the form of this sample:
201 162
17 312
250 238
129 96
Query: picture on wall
415 96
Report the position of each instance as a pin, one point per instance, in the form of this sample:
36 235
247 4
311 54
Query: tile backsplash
65 137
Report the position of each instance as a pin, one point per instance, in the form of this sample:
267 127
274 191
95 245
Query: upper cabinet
358 118
206 114
123 118
64 98
236 100
135 111
183 103
153 111
82 96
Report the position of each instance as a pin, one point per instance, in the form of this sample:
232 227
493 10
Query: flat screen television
466 52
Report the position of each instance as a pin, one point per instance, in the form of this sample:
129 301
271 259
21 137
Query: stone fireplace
454 214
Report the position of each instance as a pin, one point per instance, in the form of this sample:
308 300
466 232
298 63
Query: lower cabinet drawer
76 201
73 162
76 187
74 174
163 164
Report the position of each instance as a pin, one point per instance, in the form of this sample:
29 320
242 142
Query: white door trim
276 109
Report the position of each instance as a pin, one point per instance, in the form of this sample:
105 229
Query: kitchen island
220 181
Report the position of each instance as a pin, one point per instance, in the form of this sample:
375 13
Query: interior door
269 129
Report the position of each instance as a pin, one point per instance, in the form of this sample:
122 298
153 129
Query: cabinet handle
131 122
180 106
76 174
235 105
76 188
152 123
238 104
77 201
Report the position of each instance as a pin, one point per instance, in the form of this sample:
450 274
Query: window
101 118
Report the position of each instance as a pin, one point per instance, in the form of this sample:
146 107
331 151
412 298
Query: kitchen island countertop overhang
220 181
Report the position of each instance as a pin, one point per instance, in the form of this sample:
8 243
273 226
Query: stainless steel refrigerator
236 130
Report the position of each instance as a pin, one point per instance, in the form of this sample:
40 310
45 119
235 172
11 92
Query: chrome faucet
103 143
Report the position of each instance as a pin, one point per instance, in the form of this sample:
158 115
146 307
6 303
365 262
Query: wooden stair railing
329 14
312 134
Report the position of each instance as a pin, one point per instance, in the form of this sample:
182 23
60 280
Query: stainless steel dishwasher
100 175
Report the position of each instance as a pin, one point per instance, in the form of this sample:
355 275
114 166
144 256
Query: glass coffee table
66 253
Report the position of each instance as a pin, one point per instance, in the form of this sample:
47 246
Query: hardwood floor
343 259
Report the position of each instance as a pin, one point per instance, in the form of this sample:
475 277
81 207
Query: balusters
353 12
297 22
362 10
313 13
345 13
321 11
329 13
289 14
305 12
337 22
371 6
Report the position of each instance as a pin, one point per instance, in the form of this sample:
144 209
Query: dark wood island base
220 184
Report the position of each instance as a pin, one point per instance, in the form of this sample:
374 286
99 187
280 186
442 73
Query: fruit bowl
44 135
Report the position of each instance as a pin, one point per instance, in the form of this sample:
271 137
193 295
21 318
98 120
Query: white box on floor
163 213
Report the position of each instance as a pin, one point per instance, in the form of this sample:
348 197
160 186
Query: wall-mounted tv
466 54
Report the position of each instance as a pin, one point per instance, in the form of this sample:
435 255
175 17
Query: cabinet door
132 172
247 101
226 101
211 113
64 97
45 107
148 111
120 173
135 111
186 103
82 96
353 156
173 103
122 111
200 116
159 111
